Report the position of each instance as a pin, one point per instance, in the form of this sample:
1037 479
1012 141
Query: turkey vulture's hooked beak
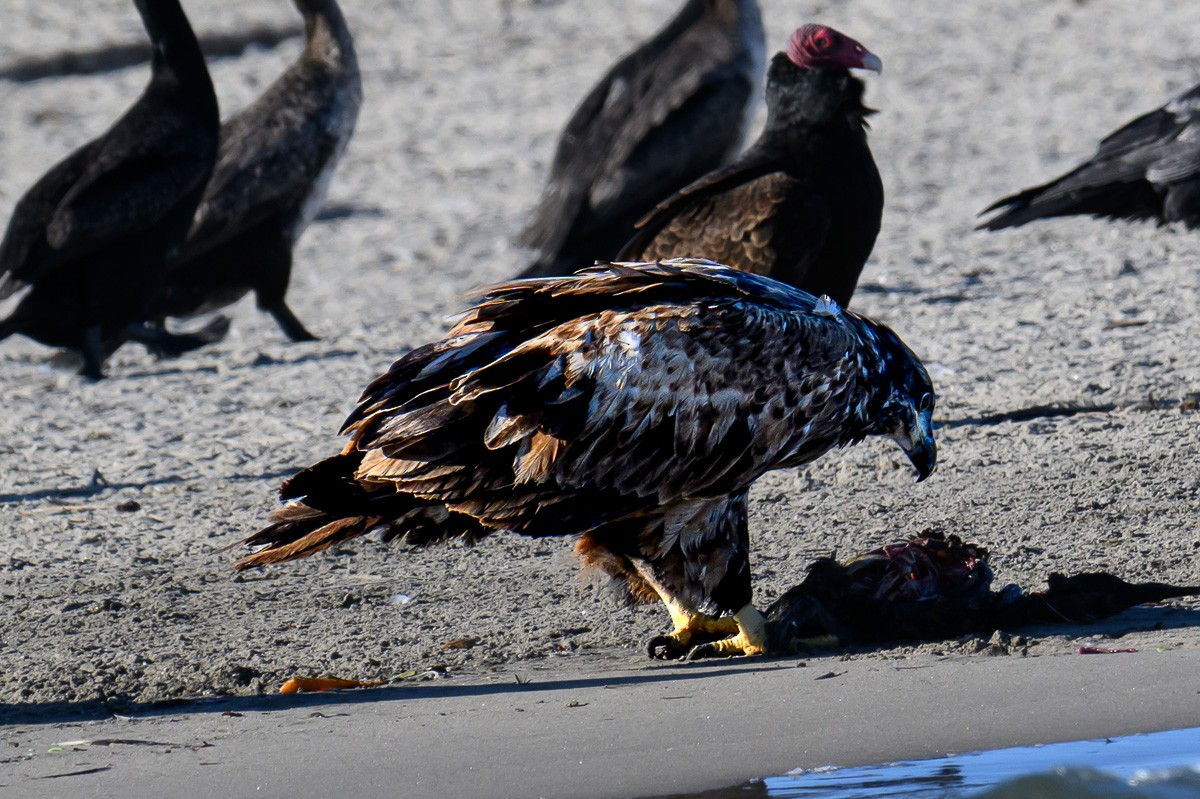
872 62
919 445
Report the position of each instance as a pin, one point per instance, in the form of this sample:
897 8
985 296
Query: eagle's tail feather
297 531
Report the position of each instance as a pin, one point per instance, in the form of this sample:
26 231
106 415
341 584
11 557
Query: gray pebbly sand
113 588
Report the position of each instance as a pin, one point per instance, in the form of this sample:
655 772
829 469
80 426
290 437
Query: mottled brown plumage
803 204
631 404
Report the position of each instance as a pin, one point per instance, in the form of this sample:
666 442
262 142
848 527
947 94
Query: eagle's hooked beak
919 445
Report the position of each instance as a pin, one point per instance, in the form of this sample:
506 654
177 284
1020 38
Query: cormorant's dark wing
23 247
665 110
122 185
267 163
1127 177
746 215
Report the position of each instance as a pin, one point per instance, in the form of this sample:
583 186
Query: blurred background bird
672 110
91 238
1148 169
275 163
803 204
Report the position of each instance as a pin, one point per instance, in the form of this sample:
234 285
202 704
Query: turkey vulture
1149 169
632 405
665 114
275 163
803 204
91 238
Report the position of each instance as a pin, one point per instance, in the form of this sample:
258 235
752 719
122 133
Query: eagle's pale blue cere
631 405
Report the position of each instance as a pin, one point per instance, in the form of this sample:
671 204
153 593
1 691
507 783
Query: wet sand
115 497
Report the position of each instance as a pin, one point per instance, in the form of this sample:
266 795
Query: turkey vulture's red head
822 46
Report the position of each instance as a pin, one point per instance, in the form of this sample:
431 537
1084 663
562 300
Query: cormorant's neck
177 53
326 34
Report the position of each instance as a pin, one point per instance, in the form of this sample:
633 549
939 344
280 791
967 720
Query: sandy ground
115 497
604 730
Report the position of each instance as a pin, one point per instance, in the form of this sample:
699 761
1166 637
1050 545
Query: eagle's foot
691 631
751 638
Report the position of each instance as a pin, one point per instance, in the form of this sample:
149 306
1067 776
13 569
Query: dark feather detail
665 114
1148 169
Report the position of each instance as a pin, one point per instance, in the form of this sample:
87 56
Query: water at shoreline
1163 765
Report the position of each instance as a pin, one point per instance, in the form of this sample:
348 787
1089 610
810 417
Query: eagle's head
908 398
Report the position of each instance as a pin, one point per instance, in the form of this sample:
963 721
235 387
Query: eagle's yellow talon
751 638
691 630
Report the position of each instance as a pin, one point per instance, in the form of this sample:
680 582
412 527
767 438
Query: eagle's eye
823 40
926 403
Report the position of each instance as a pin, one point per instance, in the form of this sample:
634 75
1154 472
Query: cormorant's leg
93 351
274 275
288 323
166 344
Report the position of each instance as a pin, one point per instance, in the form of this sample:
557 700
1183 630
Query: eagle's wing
688 386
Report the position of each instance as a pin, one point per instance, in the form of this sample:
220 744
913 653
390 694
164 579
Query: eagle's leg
691 629
751 637
707 569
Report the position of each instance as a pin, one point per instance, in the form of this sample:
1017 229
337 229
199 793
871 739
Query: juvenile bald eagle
632 405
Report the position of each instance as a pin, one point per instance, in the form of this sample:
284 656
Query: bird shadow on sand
260 361
119 56
333 212
99 485
1139 619
97 710
1054 410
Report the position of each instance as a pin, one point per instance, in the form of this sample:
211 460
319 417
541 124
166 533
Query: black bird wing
1125 177
26 230
270 155
750 215
119 185
662 111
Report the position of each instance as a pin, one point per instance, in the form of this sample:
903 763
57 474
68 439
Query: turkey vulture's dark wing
1127 178
746 215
